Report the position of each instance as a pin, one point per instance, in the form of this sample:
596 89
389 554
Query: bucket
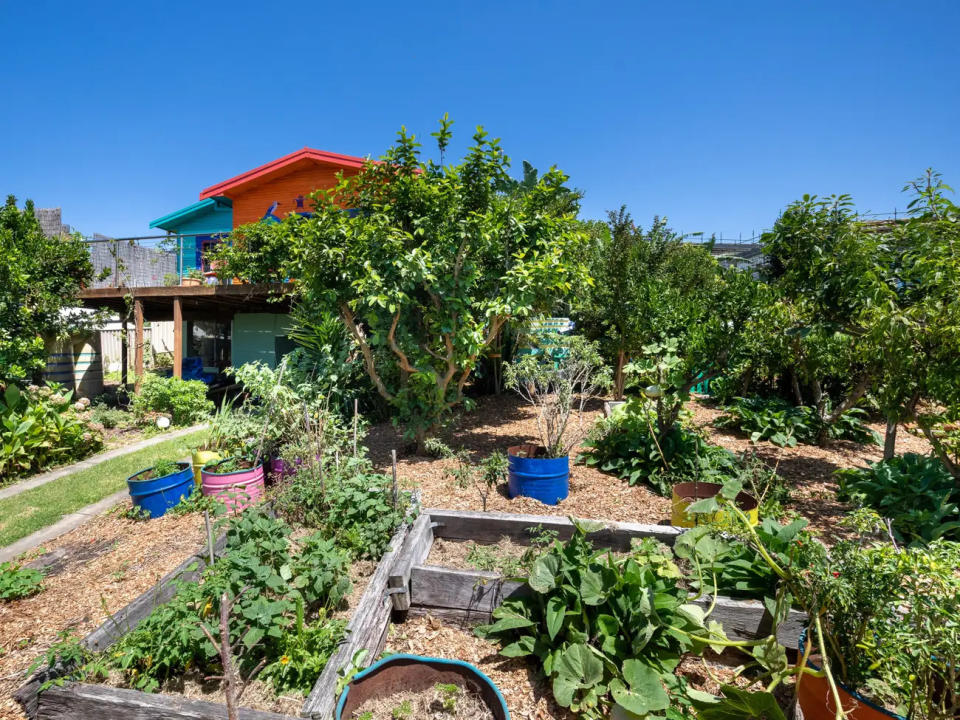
544 479
687 493
398 673
237 490
201 458
157 495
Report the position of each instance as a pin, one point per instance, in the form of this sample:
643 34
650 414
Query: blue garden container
397 673
157 495
544 479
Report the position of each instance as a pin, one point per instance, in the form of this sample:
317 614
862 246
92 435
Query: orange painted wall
252 205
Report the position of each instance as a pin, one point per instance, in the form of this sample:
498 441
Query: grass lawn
34 509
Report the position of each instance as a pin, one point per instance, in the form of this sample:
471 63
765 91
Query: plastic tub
238 490
544 479
157 495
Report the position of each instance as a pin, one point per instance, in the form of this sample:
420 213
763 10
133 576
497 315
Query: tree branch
349 319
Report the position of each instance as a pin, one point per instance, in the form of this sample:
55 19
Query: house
217 325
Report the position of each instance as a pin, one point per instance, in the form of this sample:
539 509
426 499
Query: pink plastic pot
237 490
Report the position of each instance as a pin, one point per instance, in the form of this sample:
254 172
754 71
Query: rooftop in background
281 166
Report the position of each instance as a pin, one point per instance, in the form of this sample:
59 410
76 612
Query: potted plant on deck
558 384
192 278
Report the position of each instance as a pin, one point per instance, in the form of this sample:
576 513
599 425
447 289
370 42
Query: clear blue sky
715 114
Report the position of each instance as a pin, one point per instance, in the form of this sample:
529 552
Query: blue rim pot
157 495
544 479
415 673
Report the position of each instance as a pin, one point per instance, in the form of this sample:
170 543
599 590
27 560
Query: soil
94 570
426 705
501 421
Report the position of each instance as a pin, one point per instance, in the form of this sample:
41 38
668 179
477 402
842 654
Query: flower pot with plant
558 385
193 277
237 481
157 489
883 639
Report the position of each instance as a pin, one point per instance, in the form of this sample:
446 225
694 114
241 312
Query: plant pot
190 281
279 469
238 490
398 673
544 479
611 406
687 493
157 495
201 458
816 700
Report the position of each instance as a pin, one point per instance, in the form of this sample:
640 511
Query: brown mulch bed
100 567
501 421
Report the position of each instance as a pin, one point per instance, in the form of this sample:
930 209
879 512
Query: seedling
449 693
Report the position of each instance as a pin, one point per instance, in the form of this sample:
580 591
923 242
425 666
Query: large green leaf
543 574
737 704
643 692
556 609
579 664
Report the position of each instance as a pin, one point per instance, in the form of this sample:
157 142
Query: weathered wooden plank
479 592
415 549
366 630
455 616
490 527
128 617
80 700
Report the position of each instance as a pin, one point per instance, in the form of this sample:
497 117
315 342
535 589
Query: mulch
98 568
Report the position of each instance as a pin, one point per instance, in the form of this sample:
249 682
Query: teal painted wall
253 337
217 220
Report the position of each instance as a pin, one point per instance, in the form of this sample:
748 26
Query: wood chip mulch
100 567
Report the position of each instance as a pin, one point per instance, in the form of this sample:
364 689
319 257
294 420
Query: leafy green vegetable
19 582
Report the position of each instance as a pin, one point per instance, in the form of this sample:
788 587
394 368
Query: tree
425 264
40 278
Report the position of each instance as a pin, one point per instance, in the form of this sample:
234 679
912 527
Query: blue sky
713 114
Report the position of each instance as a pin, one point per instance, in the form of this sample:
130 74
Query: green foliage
608 632
42 426
785 425
559 384
279 616
165 467
627 445
110 417
426 267
449 694
351 503
914 491
40 277
184 400
18 582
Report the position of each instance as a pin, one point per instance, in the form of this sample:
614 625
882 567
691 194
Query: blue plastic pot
157 495
544 479
415 673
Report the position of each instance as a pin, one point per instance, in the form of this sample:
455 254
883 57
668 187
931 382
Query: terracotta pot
816 700
190 281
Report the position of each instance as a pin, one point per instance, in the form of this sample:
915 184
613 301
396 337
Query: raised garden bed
365 629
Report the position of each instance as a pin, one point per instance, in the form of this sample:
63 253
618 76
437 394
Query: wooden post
356 412
138 347
124 354
393 455
177 337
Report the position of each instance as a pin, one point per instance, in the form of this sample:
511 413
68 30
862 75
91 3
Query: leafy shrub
609 632
785 425
184 400
350 503
279 614
42 426
914 491
624 444
110 417
17 582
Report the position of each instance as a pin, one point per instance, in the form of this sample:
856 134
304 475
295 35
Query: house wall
253 337
218 220
252 205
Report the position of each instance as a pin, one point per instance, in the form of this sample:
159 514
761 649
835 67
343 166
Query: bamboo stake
206 520
356 405
393 454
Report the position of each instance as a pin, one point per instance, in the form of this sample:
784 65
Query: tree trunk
890 439
747 381
795 385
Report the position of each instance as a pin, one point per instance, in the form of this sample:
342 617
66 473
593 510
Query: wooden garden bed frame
402 585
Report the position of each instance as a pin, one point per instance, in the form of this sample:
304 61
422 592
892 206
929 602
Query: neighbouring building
216 325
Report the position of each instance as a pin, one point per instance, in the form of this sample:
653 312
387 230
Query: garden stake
206 520
356 403
393 454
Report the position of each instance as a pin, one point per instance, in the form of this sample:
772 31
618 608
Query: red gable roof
281 166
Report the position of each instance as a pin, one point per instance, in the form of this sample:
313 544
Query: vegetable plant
19 582
184 400
914 491
785 425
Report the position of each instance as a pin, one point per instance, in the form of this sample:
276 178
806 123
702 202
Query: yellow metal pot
201 458
685 494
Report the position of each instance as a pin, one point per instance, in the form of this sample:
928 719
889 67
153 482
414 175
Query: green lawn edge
32 510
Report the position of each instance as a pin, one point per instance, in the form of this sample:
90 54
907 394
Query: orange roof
278 167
